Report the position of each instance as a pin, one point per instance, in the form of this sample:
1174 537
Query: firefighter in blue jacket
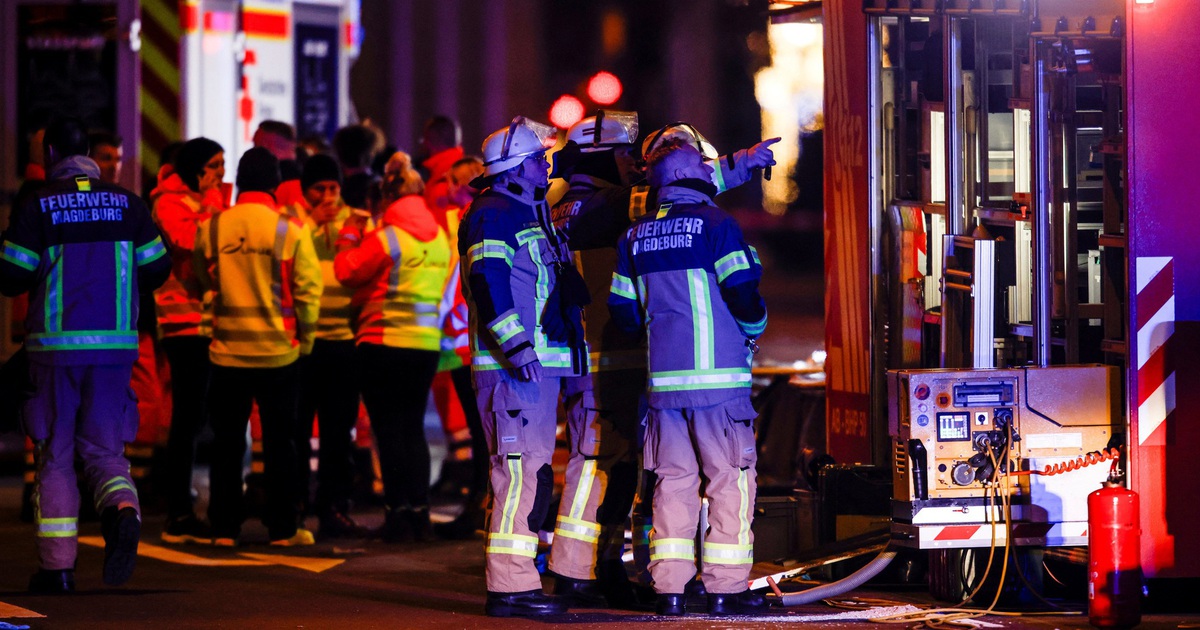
524 298
605 408
686 276
84 250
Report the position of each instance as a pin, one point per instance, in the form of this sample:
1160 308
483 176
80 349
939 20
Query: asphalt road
334 585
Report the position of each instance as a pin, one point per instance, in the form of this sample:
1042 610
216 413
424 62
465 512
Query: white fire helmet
508 147
682 131
608 129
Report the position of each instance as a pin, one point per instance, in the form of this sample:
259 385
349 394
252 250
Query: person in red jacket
399 272
189 195
441 141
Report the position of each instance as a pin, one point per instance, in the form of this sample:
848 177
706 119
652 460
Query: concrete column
399 72
691 63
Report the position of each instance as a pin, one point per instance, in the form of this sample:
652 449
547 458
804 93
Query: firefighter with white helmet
526 335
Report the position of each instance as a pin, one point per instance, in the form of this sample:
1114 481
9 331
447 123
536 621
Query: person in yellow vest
399 272
328 388
266 283
455 344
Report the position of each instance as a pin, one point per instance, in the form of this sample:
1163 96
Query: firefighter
525 337
399 272
82 342
188 195
685 275
266 299
328 388
605 409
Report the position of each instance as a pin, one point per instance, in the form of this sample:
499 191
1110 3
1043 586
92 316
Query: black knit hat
192 157
320 168
258 171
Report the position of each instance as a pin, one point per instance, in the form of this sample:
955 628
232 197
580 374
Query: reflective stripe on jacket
266 280
687 276
399 278
333 322
182 307
83 249
509 277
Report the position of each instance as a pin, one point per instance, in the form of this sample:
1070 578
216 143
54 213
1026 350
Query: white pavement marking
8 611
315 565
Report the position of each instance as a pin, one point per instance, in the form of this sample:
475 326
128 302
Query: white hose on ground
844 585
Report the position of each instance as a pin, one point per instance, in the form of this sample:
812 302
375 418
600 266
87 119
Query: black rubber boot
579 593
397 526
533 603
46 582
122 530
744 603
672 604
697 595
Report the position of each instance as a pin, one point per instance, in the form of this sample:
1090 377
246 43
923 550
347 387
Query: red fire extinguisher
1114 558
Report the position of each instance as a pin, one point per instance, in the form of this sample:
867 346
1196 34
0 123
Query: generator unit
952 429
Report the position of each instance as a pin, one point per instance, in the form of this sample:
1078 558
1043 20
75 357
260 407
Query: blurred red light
566 111
604 88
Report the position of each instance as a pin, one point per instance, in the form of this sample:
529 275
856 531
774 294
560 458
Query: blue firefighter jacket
593 214
686 275
512 260
84 250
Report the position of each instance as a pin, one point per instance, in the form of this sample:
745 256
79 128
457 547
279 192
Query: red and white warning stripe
1155 326
980 534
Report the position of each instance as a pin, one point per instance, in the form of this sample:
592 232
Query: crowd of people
346 275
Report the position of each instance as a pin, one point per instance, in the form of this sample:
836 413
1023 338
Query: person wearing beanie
189 193
328 388
266 283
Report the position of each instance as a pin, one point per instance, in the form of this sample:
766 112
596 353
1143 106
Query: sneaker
187 530
302 538
337 524
122 530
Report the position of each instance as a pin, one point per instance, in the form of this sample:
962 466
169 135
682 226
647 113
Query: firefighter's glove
760 155
529 373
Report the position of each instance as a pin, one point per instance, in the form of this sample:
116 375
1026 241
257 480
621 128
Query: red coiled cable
1083 461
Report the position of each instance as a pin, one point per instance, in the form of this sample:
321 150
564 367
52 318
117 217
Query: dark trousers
395 387
231 396
461 378
190 371
329 390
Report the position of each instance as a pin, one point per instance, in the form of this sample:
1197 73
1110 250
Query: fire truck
1009 251
158 71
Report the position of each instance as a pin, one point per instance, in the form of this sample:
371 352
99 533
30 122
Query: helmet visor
627 120
546 135
684 131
